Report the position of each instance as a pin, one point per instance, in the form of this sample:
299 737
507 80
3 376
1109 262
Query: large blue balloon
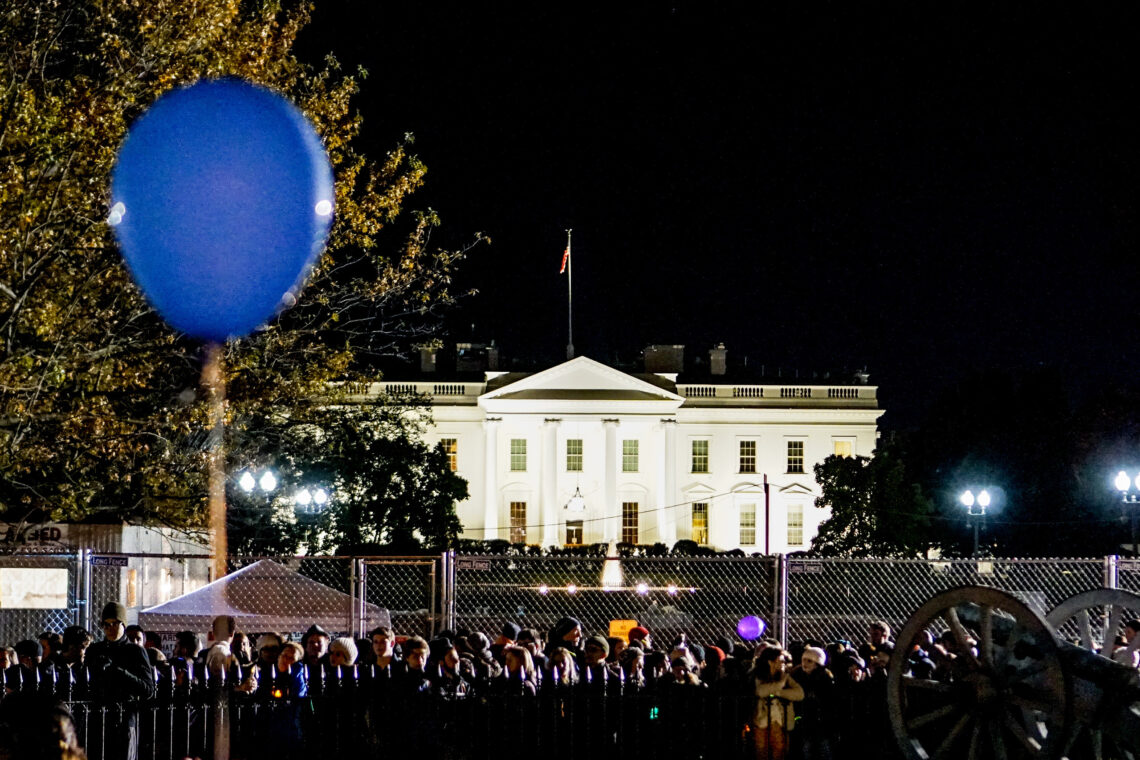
222 198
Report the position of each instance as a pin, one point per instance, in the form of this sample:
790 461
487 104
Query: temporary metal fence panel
335 573
835 598
410 588
38 592
704 597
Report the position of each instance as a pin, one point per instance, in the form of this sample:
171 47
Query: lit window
795 456
748 456
843 448
574 455
518 455
747 524
629 511
795 524
701 522
700 456
451 448
629 453
518 522
573 532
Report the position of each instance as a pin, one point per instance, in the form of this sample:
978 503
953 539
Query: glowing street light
1124 484
975 508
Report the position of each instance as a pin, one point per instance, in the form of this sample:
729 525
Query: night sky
928 193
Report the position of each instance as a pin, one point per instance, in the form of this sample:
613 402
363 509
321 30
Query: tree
384 484
99 409
876 508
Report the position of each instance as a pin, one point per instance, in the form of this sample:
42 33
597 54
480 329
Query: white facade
653 460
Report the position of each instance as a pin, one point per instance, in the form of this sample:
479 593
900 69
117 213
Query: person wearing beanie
121 675
595 671
566 633
641 633
342 652
316 643
814 724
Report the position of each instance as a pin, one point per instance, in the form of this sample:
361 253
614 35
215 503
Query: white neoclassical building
584 453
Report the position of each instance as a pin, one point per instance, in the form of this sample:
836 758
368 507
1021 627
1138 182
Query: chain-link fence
46 599
701 596
705 597
831 599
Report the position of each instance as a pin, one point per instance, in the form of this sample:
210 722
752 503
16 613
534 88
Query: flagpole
569 299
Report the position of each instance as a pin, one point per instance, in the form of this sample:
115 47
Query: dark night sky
927 193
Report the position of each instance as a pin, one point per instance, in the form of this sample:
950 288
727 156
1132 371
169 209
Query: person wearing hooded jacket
121 675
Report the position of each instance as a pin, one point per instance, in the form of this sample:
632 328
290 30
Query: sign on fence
99 561
472 564
33 588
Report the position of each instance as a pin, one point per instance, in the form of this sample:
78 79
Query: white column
669 497
549 508
491 478
612 510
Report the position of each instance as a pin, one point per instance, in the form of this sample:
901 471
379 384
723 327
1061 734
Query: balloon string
214 382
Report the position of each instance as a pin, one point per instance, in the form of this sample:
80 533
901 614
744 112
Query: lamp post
1124 485
975 508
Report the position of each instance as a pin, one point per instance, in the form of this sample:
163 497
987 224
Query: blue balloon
222 198
750 628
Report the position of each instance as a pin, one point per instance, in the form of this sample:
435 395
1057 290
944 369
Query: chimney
665 358
718 358
427 359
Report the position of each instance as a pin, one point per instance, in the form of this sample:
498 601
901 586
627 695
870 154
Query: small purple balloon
750 628
221 200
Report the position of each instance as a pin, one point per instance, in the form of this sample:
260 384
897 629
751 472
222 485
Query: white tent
264 596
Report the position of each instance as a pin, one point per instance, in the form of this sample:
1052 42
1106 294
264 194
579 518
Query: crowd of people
812 700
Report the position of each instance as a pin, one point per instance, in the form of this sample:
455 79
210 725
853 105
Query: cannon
1022 685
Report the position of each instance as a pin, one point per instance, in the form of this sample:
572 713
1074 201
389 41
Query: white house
584 453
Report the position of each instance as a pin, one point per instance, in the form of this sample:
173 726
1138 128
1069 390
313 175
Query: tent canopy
264 596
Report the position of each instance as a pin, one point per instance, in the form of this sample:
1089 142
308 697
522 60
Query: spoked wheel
1005 695
1091 620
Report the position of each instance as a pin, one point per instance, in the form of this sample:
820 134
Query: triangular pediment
582 379
796 489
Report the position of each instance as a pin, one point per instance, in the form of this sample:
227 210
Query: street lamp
1123 484
975 508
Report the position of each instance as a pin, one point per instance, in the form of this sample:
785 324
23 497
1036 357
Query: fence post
447 590
1111 571
85 559
360 592
780 600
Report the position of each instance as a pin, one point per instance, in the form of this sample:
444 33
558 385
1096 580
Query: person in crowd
383 648
530 640
641 633
342 652
121 675
136 635
76 640
632 662
518 675
562 669
316 643
444 669
507 637
595 670
36 727
52 643
219 657
776 692
567 634
484 666
1127 650
813 734
878 634
242 649
412 676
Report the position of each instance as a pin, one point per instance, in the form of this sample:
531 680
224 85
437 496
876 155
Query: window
573 532
748 456
700 456
574 455
629 522
518 522
795 524
518 455
795 456
843 448
701 522
451 448
629 452
747 524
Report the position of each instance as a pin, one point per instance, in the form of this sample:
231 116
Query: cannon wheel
1007 700
1097 615
1114 603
